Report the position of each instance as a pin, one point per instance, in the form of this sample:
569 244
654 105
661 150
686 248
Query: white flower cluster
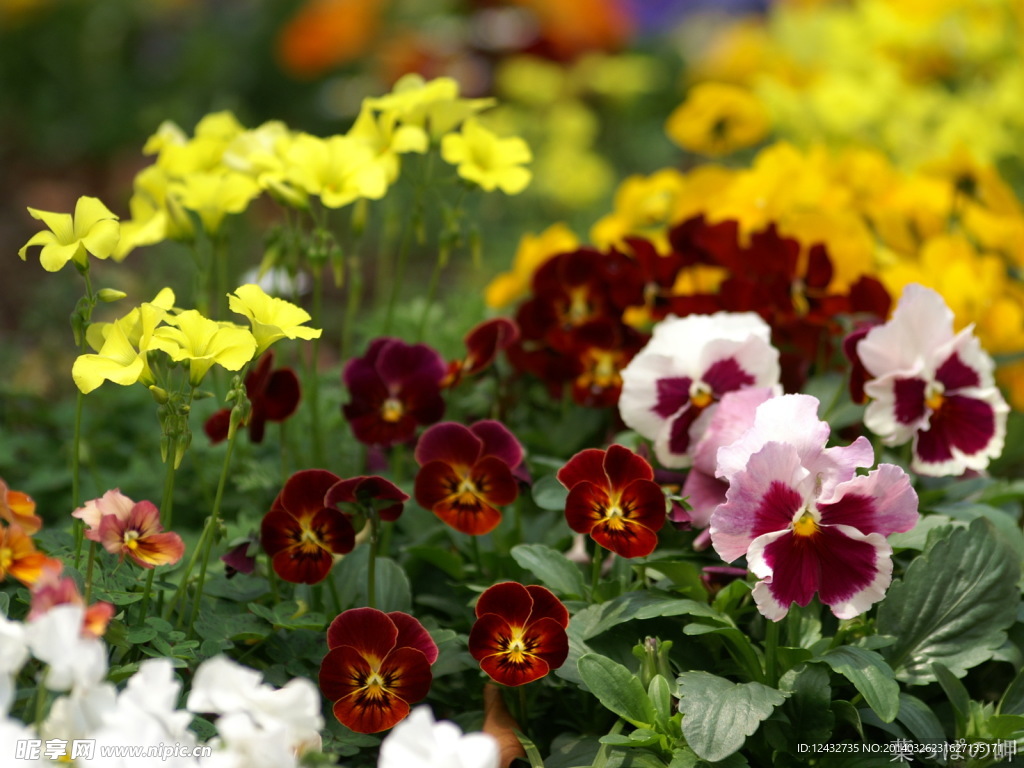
258 726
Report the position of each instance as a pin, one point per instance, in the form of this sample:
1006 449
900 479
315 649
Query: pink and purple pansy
933 386
670 388
804 519
395 388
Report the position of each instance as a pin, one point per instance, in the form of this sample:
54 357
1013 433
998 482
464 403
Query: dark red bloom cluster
273 396
572 331
483 342
394 388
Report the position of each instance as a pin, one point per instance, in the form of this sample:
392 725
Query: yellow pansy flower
488 160
204 342
340 170
271 318
532 252
644 206
717 119
93 230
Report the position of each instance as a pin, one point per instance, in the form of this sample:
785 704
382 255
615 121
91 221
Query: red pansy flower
378 664
466 473
483 343
273 395
300 533
519 635
360 493
395 387
613 497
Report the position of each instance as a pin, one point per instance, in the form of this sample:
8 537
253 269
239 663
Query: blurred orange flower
326 33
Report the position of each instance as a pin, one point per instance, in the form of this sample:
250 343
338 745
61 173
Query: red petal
278 531
625 537
303 493
498 441
622 467
510 600
408 673
547 606
435 482
451 443
500 668
333 531
217 426
157 549
587 465
494 481
643 502
282 394
585 506
300 565
371 632
411 634
484 341
469 515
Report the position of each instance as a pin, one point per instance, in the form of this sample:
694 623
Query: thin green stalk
313 378
521 709
76 442
214 518
478 557
771 649
435 278
183 584
355 290
601 759
88 571
166 503
596 561
335 597
401 262
371 565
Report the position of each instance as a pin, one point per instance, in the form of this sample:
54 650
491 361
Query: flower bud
110 295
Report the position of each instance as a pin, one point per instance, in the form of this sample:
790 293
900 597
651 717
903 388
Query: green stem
88 571
478 557
400 265
212 523
601 759
335 597
371 565
771 647
435 277
521 709
76 442
313 378
355 290
166 504
183 584
596 561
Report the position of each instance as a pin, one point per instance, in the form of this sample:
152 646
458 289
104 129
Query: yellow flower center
806 525
517 648
700 395
579 306
130 540
933 396
392 410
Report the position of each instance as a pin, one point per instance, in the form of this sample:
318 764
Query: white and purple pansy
932 386
804 519
670 388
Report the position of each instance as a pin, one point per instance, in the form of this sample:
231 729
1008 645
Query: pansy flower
378 664
805 520
932 386
300 533
483 342
466 473
613 497
20 558
670 388
395 387
51 590
131 529
519 635
273 394
372 492
19 508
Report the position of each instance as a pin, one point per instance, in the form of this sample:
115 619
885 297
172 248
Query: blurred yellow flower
717 119
486 159
434 105
386 139
203 342
339 169
214 194
271 318
532 252
93 230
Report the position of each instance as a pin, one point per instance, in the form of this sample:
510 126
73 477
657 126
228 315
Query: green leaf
647 605
810 694
550 494
957 695
140 635
847 713
738 644
394 592
552 568
952 606
1012 702
443 559
617 688
661 700
870 675
919 720
719 715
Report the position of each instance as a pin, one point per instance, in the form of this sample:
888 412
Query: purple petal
883 501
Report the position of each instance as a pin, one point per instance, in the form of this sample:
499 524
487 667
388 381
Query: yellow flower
487 160
214 194
433 105
338 169
386 139
204 342
94 229
271 318
532 252
122 347
717 119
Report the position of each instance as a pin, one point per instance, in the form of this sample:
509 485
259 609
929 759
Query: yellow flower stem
76 442
212 525
355 290
165 503
412 224
313 369
219 256
450 236
183 583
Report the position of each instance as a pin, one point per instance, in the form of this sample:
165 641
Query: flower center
131 540
806 525
933 396
701 395
392 410
517 648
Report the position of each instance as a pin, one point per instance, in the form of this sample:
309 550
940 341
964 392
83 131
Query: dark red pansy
300 533
378 664
273 394
858 373
373 492
395 388
519 635
483 343
466 473
613 497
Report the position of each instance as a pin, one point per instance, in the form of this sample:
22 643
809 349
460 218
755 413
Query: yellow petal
61 223
102 238
88 212
54 256
39 238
